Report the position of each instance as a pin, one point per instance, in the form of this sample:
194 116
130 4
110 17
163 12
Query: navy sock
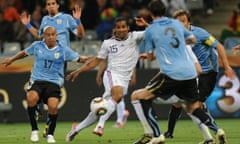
52 123
173 116
32 117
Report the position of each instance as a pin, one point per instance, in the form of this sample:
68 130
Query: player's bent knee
31 101
135 95
32 98
191 106
52 109
141 94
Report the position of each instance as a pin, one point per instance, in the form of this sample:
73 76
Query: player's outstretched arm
25 19
9 60
88 66
83 59
77 12
101 69
228 71
236 49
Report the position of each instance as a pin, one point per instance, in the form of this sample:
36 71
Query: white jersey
193 56
122 55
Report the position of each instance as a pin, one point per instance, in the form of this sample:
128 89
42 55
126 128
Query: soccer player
63 24
207 49
61 21
47 77
121 52
166 38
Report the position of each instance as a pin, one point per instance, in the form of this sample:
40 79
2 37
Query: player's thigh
188 90
52 94
117 92
206 84
52 103
114 85
33 93
32 97
142 94
163 86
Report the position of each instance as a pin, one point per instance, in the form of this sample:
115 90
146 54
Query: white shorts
110 80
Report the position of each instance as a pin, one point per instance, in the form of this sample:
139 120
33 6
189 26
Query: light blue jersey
49 63
63 23
205 49
167 37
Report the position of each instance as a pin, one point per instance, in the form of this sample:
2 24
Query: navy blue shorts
206 84
164 87
45 90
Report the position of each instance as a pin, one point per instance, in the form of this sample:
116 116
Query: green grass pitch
186 133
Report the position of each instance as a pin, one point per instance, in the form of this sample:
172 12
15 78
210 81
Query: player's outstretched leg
146 116
73 132
220 134
122 115
98 130
76 128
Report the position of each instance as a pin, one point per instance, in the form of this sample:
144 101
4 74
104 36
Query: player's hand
143 55
72 76
141 22
77 12
25 18
99 80
83 59
7 61
229 72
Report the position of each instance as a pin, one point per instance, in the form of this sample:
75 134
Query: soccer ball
99 106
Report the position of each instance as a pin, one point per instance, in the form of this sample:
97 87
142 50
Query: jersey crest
59 21
57 55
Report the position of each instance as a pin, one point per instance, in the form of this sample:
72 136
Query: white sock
111 108
204 129
89 120
120 111
140 114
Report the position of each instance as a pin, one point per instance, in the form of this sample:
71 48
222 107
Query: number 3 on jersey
176 42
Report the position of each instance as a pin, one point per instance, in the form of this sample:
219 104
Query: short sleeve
103 52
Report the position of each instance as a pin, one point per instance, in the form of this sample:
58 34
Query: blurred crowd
97 15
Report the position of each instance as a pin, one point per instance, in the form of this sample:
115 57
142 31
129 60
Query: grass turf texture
186 133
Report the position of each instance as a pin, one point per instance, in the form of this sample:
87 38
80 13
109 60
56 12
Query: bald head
50 36
49 28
